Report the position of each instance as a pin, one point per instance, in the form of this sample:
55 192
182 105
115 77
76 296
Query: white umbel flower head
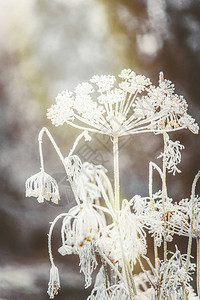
42 186
113 109
54 282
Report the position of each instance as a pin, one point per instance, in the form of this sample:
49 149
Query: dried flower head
80 230
163 98
42 186
54 282
172 155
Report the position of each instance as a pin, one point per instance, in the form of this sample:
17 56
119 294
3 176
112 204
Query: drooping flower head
80 230
54 282
85 177
42 186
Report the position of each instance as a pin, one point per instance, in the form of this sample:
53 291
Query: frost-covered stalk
151 167
191 232
54 282
163 197
80 136
125 271
116 172
125 268
198 266
192 222
161 79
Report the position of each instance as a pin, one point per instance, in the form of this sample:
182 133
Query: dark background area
48 46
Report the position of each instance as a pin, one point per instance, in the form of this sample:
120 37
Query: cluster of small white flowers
104 83
133 83
62 111
163 98
160 110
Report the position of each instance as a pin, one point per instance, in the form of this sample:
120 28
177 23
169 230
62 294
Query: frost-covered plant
103 225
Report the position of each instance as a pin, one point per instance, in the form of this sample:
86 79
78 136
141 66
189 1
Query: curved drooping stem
152 166
50 235
40 136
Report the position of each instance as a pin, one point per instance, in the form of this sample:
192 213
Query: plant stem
116 172
163 197
165 276
125 269
110 263
191 225
40 136
50 235
151 167
131 279
198 266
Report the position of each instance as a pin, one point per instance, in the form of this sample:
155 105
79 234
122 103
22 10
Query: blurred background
47 46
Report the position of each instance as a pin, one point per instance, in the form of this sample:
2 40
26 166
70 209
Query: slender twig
151 167
110 263
146 273
116 172
164 196
50 235
191 224
40 136
198 266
